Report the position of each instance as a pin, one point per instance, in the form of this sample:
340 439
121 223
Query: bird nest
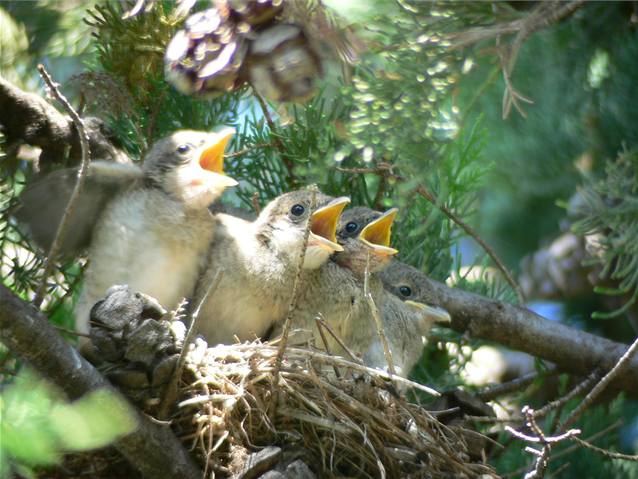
341 417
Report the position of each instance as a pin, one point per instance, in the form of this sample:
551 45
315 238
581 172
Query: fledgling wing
42 203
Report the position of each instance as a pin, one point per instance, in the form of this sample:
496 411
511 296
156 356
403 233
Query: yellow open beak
212 156
438 315
323 224
377 234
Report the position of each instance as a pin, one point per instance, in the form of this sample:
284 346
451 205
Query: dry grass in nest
352 424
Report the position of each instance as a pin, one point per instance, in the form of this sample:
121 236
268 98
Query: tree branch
570 349
151 448
27 117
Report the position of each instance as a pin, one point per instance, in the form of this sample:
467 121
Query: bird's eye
183 149
352 227
297 210
405 291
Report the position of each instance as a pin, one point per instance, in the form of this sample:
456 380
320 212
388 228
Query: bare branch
77 189
620 367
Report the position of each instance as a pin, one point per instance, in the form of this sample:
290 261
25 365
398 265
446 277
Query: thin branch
170 395
84 167
560 402
620 367
377 318
385 169
276 140
324 340
294 297
248 149
339 341
152 449
472 232
605 452
492 392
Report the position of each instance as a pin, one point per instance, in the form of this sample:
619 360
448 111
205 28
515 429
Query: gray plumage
43 202
154 236
259 260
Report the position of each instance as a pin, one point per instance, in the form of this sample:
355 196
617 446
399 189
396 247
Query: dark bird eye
297 210
351 227
182 149
405 291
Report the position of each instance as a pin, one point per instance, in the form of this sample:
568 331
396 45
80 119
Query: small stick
276 140
620 366
377 318
248 149
170 395
293 300
320 324
336 337
255 202
77 189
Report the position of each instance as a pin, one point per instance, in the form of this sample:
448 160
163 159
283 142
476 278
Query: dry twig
171 392
77 189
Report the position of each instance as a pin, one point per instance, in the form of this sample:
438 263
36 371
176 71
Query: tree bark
570 349
152 449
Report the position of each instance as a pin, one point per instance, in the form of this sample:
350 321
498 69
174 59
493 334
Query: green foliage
37 427
580 74
609 212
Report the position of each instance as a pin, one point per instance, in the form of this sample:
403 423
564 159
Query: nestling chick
365 236
335 292
259 261
154 236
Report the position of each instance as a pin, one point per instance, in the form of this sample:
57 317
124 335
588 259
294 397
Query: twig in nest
339 341
293 298
77 189
171 393
320 324
276 140
374 311
620 366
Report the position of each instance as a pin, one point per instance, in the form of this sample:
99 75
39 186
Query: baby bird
365 237
259 261
155 234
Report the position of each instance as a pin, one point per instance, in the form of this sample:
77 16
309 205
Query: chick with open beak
365 235
154 235
259 262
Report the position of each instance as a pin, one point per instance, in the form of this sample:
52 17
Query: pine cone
256 12
206 56
282 64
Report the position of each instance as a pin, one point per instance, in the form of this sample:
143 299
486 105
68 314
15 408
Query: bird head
282 224
189 166
404 281
365 237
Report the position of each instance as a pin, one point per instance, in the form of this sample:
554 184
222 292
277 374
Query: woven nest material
348 422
